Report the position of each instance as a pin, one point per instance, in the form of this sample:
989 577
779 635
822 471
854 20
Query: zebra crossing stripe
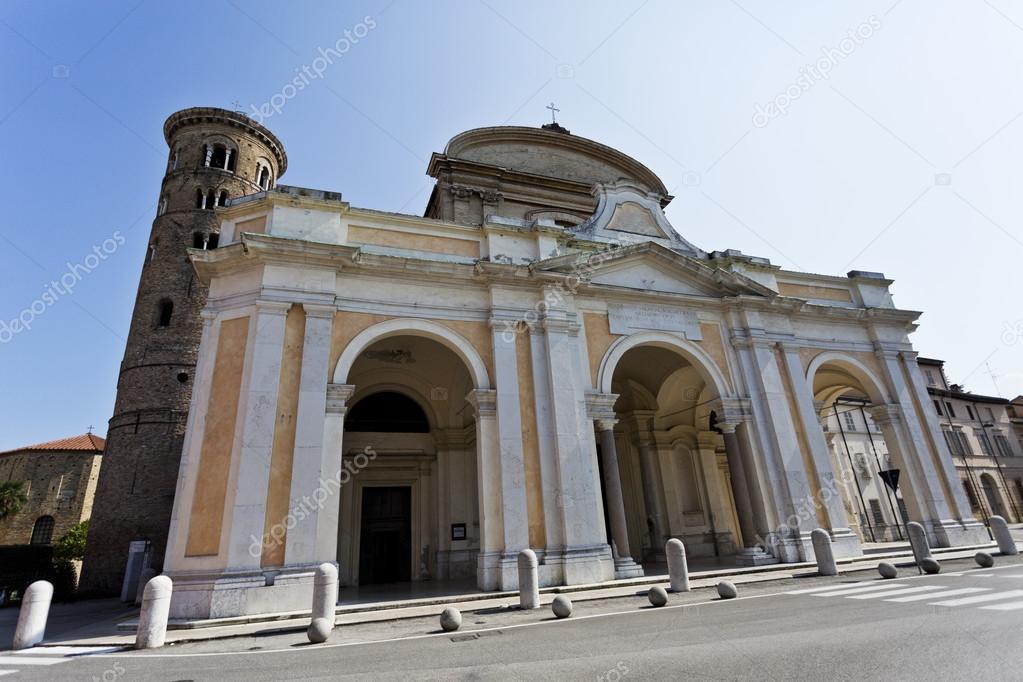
29 660
860 590
934 595
70 651
1011 606
826 588
907 590
979 598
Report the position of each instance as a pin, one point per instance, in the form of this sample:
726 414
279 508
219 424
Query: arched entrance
865 467
992 495
673 466
411 509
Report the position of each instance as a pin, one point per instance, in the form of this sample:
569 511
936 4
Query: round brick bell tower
215 156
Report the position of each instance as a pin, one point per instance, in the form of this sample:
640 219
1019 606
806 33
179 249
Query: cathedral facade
540 360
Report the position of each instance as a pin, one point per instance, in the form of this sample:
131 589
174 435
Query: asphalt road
964 623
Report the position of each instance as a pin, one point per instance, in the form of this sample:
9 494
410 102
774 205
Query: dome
551 154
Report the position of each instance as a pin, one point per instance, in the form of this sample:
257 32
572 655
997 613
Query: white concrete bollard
146 575
918 540
325 592
822 550
529 580
678 570
156 600
35 607
1006 545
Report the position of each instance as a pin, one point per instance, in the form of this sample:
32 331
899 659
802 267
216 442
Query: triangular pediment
648 266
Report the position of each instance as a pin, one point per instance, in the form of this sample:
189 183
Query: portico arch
689 351
862 436
413 327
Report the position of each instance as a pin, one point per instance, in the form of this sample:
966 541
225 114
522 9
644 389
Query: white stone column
969 529
258 417
492 573
316 467
585 556
783 458
625 567
844 541
928 483
720 515
653 484
554 500
509 430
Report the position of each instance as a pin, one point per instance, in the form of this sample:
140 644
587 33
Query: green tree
72 545
12 498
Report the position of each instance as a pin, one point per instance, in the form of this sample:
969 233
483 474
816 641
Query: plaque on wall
629 318
457 531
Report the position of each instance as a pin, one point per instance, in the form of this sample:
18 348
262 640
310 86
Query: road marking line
825 588
908 590
28 660
1011 606
8 672
859 590
948 593
72 651
980 598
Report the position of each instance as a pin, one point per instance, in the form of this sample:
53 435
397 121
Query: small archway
42 531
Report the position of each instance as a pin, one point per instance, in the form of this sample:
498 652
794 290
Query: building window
166 312
198 241
930 378
937 408
219 156
263 176
222 198
1002 443
875 511
985 444
213 240
42 532
969 411
200 198
989 416
951 412
850 420
964 443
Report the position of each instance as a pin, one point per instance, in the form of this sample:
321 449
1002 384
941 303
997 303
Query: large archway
411 510
675 479
865 466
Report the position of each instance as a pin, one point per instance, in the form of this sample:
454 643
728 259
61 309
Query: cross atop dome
554 125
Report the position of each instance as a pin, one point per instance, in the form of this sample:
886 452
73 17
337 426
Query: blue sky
903 158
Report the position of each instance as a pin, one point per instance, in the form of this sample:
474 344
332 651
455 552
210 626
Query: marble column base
954 533
204 595
754 556
625 568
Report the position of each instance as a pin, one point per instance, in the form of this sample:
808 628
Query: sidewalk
111 623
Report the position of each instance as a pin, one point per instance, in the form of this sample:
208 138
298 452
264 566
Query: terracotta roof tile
89 442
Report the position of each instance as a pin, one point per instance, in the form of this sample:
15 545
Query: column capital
727 427
319 310
883 415
601 405
264 307
606 424
558 325
337 397
734 410
484 402
208 315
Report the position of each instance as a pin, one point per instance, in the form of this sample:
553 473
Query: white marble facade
576 377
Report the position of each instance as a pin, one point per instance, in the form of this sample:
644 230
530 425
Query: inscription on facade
630 318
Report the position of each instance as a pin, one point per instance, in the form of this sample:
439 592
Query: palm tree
12 498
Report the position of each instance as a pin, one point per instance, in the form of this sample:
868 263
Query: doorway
385 539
